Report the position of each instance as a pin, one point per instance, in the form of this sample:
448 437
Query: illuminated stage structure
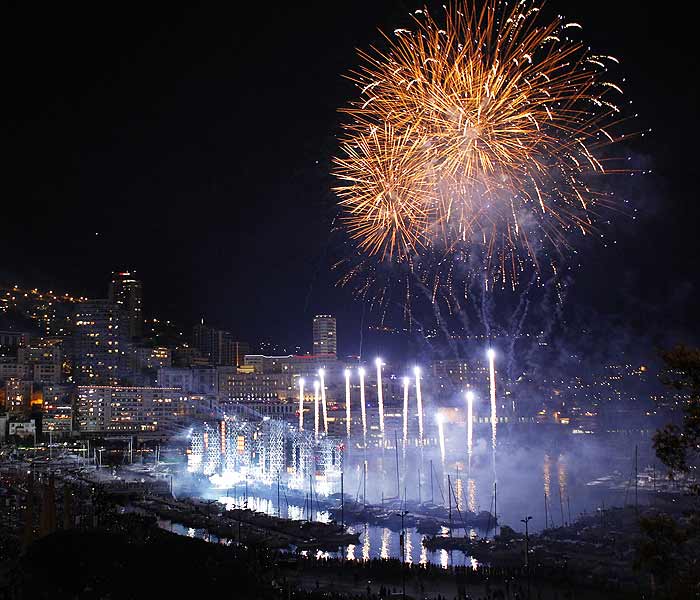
231 451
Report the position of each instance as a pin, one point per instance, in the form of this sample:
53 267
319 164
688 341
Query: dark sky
196 144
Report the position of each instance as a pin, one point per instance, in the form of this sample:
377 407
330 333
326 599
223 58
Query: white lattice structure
303 458
232 450
277 431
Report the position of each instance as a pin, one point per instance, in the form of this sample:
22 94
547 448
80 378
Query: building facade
101 343
324 336
132 410
126 291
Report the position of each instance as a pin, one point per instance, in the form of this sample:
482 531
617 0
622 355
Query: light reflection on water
561 478
408 547
459 493
473 506
384 552
365 543
376 541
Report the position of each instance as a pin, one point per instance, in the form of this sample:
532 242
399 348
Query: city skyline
78 344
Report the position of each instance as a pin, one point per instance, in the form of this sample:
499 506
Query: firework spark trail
321 374
439 320
316 416
492 395
461 314
405 411
470 427
548 308
380 398
441 437
517 326
301 404
348 420
475 133
363 406
485 312
419 405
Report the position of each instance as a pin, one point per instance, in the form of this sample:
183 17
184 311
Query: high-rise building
101 343
325 340
219 346
125 291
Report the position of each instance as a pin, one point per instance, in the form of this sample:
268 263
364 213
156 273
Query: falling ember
348 420
321 374
470 425
301 404
316 416
380 397
405 410
363 407
419 402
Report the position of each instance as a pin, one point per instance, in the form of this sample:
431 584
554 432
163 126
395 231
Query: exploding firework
475 140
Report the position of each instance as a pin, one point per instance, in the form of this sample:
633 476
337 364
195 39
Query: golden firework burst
478 133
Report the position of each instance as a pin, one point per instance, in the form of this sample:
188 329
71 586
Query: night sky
194 146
